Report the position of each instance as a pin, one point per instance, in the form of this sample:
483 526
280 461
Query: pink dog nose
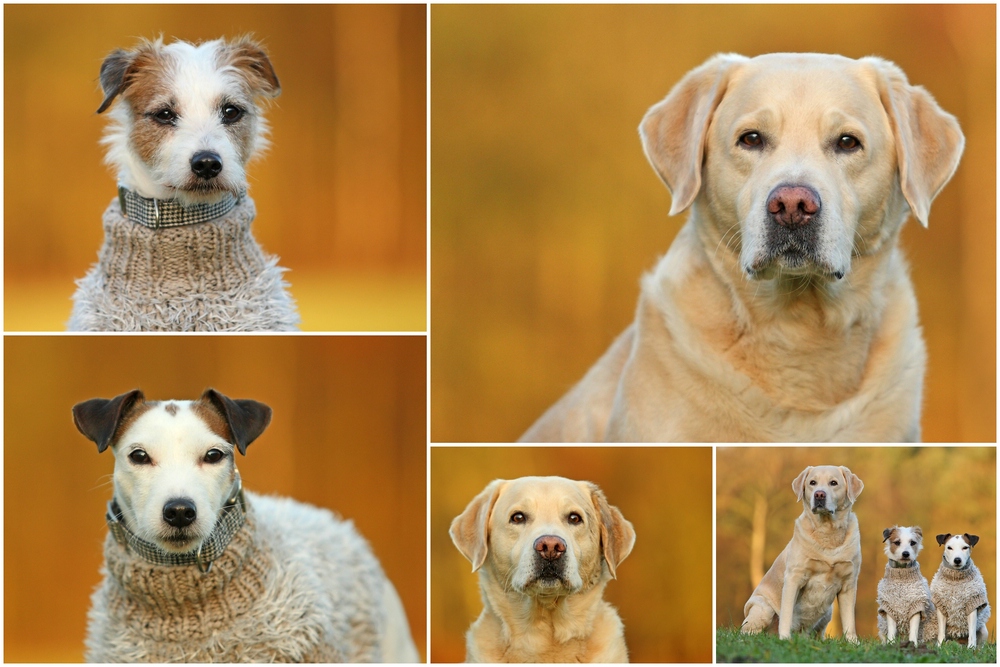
550 547
793 205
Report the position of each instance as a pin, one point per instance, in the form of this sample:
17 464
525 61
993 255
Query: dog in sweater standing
197 570
959 593
178 253
904 598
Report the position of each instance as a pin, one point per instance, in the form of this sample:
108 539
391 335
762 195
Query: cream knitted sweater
903 592
211 276
956 593
295 584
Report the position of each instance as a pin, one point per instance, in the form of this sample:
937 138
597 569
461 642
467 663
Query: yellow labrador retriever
783 311
545 547
822 561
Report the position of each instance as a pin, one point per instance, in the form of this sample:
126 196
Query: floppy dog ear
673 131
941 539
799 482
617 534
920 533
470 530
247 419
854 484
929 141
119 69
248 58
98 418
886 533
971 539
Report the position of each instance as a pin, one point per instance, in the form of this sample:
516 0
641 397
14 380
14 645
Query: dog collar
231 519
899 565
162 213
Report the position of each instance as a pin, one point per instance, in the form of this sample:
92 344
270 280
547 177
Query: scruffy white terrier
904 598
178 253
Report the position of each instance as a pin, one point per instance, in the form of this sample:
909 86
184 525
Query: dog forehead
197 75
542 492
166 422
825 474
956 541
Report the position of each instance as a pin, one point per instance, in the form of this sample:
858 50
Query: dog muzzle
164 213
231 519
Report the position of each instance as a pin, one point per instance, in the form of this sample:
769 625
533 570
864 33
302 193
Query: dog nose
906 554
550 547
958 561
820 496
179 512
793 205
206 164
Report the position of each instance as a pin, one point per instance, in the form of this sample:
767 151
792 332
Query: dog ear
617 534
941 539
929 141
971 539
886 533
470 530
673 132
854 484
248 58
920 533
246 419
98 418
119 69
799 482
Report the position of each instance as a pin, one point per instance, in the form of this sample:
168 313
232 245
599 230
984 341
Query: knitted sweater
956 593
903 592
211 276
295 584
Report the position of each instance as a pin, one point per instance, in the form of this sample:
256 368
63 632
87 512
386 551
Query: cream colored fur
729 344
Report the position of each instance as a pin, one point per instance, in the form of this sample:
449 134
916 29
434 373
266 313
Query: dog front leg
973 621
915 629
890 629
847 599
940 627
789 592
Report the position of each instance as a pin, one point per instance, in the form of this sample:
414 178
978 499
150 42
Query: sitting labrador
784 309
545 548
820 564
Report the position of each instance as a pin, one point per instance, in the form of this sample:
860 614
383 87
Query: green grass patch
731 646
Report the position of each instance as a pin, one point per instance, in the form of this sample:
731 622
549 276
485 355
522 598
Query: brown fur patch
146 88
215 421
893 535
171 409
137 410
249 59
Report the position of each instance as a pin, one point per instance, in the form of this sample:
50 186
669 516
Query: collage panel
319 167
515 533
563 262
907 532
342 427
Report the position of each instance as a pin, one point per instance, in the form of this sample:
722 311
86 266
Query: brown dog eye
575 518
848 143
213 456
165 116
812 483
897 542
231 114
912 543
139 457
833 482
751 140
517 517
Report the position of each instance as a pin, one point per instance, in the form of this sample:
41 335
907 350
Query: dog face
957 549
543 536
903 543
827 489
808 159
174 460
188 121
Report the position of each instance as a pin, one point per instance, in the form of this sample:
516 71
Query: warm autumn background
940 489
663 595
545 212
341 196
348 434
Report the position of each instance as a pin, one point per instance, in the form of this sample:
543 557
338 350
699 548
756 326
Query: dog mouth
548 576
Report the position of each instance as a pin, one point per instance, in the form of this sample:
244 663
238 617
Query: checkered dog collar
231 519
162 213
900 564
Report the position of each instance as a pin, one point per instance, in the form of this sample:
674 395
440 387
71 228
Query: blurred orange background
665 601
348 433
940 489
341 195
545 212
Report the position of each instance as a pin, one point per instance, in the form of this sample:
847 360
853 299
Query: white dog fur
783 311
959 593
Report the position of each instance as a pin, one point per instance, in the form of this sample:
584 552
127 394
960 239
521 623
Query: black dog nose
958 561
906 554
179 512
206 164
550 547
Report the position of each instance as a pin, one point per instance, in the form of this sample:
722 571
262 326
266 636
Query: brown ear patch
941 539
103 420
248 58
246 419
617 533
889 533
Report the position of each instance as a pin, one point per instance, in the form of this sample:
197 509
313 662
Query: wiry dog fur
904 599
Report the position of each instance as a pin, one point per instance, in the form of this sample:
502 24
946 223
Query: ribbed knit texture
956 593
903 592
296 584
212 276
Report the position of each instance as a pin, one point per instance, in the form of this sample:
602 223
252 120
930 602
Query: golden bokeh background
348 433
341 195
665 600
940 489
545 212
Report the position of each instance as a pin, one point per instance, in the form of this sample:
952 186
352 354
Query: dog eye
165 116
912 543
833 482
848 143
213 456
812 483
751 140
517 517
139 457
575 518
231 114
897 542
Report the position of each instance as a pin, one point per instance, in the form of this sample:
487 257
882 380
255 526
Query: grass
731 646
